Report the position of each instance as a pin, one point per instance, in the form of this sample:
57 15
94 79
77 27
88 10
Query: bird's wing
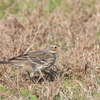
39 57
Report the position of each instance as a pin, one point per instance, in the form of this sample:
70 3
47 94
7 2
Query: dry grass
76 28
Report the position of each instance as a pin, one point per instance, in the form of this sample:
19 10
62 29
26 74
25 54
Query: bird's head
53 48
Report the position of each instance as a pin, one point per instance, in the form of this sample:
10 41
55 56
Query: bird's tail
5 62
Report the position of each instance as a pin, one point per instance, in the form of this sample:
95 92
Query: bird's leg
31 74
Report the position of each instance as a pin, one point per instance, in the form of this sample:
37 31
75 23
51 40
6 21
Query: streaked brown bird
35 61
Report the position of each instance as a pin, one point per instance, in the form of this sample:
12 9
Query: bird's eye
55 47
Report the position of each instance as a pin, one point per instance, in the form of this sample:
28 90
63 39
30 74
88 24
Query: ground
29 25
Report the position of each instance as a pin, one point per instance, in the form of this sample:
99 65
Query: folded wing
39 57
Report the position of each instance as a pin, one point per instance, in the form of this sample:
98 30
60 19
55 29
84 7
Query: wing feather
39 57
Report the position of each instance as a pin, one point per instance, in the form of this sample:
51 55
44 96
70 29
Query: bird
37 60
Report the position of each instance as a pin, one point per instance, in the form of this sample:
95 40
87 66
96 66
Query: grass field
30 25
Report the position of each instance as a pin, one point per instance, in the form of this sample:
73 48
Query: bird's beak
63 49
